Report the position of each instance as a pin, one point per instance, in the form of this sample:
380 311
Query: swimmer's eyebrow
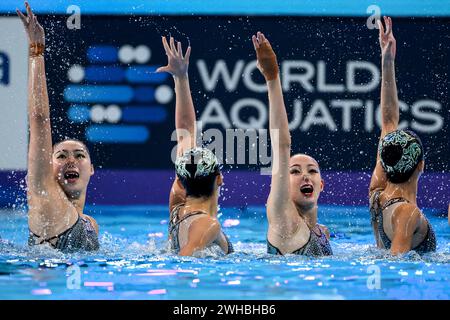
67 151
308 165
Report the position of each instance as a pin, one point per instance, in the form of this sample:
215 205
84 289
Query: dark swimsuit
316 246
80 237
174 229
376 211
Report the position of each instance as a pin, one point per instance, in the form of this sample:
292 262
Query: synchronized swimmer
59 174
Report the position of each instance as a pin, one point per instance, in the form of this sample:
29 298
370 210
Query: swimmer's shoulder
177 196
92 221
373 193
203 223
325 230
407 214
203 231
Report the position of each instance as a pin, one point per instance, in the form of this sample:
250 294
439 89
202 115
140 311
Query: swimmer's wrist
36 50
273 80
387 62
181 77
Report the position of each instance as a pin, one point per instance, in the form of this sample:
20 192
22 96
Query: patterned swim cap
400 152
197 162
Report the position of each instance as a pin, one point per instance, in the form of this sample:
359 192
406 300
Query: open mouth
71 176
307 190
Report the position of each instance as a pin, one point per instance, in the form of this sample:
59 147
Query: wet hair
74 140
197 170
400 153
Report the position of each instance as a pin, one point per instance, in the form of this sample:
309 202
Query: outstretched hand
34 30
177 64
267 60
387 40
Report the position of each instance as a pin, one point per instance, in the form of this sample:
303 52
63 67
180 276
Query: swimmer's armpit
267 60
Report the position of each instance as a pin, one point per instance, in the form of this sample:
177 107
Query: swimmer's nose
71 160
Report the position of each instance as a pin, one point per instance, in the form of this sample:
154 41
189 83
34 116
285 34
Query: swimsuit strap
318 227
55 237
175 222
393 201
375 206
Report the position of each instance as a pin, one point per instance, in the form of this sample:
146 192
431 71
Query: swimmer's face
72 167
305 181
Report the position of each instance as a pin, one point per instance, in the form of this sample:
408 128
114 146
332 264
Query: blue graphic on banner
144 94
78 113
94 94
102 54
145 74
100 74
94 101
117 133
144 114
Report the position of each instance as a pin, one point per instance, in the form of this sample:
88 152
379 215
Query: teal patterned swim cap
400 152
196 163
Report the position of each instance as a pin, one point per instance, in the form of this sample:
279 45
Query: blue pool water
134 262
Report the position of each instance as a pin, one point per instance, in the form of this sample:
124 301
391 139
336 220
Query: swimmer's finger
29 12
258 37
166 46
172 46
263 37
180 50
255 42
22 17
188 54
388 27
162 69
380 26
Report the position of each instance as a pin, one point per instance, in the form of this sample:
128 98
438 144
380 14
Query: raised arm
177 66
40 145
279 207
389 100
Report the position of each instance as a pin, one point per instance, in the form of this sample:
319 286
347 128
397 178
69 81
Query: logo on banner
335 114
118 93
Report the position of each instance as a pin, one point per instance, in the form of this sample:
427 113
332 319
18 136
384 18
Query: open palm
34 30
177 64
387 40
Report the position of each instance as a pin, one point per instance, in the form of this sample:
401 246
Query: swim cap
196 163
400 152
